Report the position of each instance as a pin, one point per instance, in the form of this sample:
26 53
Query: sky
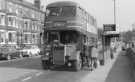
102 10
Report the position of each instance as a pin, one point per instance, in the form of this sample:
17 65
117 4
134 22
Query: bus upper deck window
53 11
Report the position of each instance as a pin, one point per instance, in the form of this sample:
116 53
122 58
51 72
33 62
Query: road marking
12 60
38 74
18 59
27 78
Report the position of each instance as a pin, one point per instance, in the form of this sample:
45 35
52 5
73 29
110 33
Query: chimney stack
37 3
20 0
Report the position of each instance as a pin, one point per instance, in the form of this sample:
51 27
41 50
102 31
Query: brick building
20 22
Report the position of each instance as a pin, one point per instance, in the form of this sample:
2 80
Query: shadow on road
34 63
121 70
26 63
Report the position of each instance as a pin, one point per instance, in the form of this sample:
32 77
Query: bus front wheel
77 64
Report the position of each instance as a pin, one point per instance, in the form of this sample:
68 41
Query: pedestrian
94 57
112 50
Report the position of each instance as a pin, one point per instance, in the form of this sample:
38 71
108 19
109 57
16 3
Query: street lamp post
114 11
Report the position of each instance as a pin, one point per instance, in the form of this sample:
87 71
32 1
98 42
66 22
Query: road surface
30 70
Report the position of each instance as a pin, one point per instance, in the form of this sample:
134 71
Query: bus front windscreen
68 11
61 11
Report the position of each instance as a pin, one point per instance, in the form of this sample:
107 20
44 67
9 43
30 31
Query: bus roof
62 3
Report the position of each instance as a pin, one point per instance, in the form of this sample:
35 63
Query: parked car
9 52
29 51
34 50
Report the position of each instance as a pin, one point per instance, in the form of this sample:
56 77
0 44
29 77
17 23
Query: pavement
117 70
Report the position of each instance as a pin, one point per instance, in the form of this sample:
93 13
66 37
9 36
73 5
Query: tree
128 36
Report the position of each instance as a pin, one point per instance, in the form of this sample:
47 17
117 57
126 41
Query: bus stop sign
109 27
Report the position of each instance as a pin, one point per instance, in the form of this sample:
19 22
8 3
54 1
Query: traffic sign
109 27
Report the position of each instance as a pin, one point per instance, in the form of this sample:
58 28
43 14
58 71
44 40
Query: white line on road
27 78
14 60
38 74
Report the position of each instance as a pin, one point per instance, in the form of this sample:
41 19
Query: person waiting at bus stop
94 57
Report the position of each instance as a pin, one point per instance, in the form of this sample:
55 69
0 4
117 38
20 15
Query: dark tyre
112 56
77 64
45 64
102 62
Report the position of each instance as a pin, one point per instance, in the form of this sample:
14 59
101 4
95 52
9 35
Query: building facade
20 22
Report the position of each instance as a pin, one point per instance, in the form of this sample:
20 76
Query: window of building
32 28
11 7
32 13
33 38
28 38
12 37
26 12
0 4
11 21
2 37
2 19
20 10
25 38
26 25
38 28
35 26
21 24
17 8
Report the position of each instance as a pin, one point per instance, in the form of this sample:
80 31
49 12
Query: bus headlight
47 54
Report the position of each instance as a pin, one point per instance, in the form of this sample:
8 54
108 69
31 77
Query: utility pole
115 12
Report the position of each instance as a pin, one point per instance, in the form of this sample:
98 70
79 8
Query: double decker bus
68 35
